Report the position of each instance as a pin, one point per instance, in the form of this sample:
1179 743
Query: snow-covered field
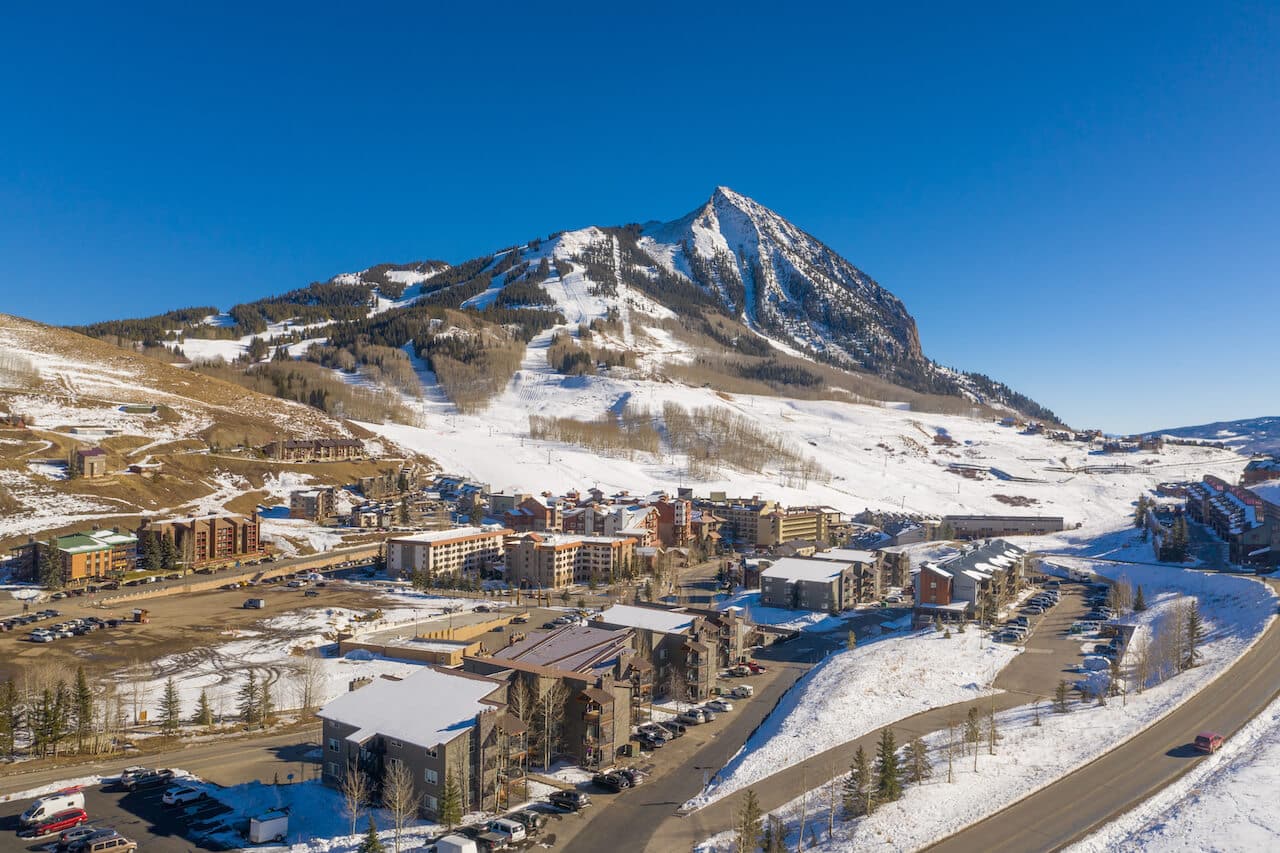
282 651
1226 803
1236 610
857 691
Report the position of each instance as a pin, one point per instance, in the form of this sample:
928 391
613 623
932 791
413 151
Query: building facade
218 538
555 561
443 552
803 583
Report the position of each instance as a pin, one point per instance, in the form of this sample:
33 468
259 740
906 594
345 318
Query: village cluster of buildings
1245 517
575 691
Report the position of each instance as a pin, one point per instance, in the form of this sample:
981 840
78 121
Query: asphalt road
1078 803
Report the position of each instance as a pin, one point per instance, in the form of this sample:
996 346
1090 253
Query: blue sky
1081 201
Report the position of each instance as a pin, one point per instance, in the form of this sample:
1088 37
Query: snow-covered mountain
1253 435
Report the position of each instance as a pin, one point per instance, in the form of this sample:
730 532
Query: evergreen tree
1060 698
852 642
1194 635
972 728
1113 684
10 717
1140 512
451 802
1139 600
82 709
920 768
204 712
151 558
170 709
248 700
404 509
60 719
749 826
41 725
888 771
49 565
370 843
857 798
993 734
168 551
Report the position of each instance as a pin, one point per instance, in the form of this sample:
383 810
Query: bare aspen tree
551 719
356 789
833 798
307 683
398 797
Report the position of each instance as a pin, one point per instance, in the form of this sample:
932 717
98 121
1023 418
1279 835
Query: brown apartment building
85 556
207 540
557 560
315 450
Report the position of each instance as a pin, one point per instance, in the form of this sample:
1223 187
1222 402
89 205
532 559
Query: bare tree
833 798
307 683
398 797
550 720
356 789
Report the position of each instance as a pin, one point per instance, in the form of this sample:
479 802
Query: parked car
756 669
513 829
650 742
95 835
117 844
657 730
254 604
55 824
1033 610
1021 620
610 782
691 718
149 779
675 728
71 836
178 795
54 802
533 821
708 713
1208 742
569 800
740 671
722 705
742 691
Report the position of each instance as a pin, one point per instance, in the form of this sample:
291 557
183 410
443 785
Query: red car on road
1208 742
55 824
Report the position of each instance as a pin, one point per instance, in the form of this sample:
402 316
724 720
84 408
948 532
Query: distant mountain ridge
731 258
1248 436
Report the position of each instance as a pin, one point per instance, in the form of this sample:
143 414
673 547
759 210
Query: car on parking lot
656 730
611 782
722 705
650 742
533 821
570 800
54 824
178 795
675 729
95 836
1208 742
71 836
1033 610
692 717
148 779
756 668
740 671
742 691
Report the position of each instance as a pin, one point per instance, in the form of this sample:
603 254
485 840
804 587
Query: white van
513 830
51 804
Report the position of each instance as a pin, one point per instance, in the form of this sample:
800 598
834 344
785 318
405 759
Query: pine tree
1139 600
151 559
888 771
1194 634
248 700
370 843
49 565
168 551
852 642
993 733
404 509
1113 683
451 802
170 709
858 797
972 728
204 712
920 768
82 709
1140 513
1060 698
749 825
60 719
10 717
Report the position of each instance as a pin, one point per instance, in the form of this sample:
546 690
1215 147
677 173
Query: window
431 776
393 763
431 803
395 744
333 768
333 744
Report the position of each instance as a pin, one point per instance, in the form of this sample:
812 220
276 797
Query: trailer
269 826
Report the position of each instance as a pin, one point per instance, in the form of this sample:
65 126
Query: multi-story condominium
556 560
312 504
991 526
867 574
208 539
315 450
969 583
442 552
437 723
788 525
681 645
802 583
85 556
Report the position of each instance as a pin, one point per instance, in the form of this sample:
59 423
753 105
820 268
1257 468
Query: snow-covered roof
804 569
447 535
1268 491
662 621
428 708
846 555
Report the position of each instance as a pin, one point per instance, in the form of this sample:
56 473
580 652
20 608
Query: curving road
1080 802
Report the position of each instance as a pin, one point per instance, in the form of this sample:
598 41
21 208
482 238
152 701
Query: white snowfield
1236 609
857 691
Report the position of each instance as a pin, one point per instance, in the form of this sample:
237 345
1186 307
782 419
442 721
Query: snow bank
858 691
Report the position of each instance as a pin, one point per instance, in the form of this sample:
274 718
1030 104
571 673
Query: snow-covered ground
283 652
794 620
1225 803
857 691
1236 609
